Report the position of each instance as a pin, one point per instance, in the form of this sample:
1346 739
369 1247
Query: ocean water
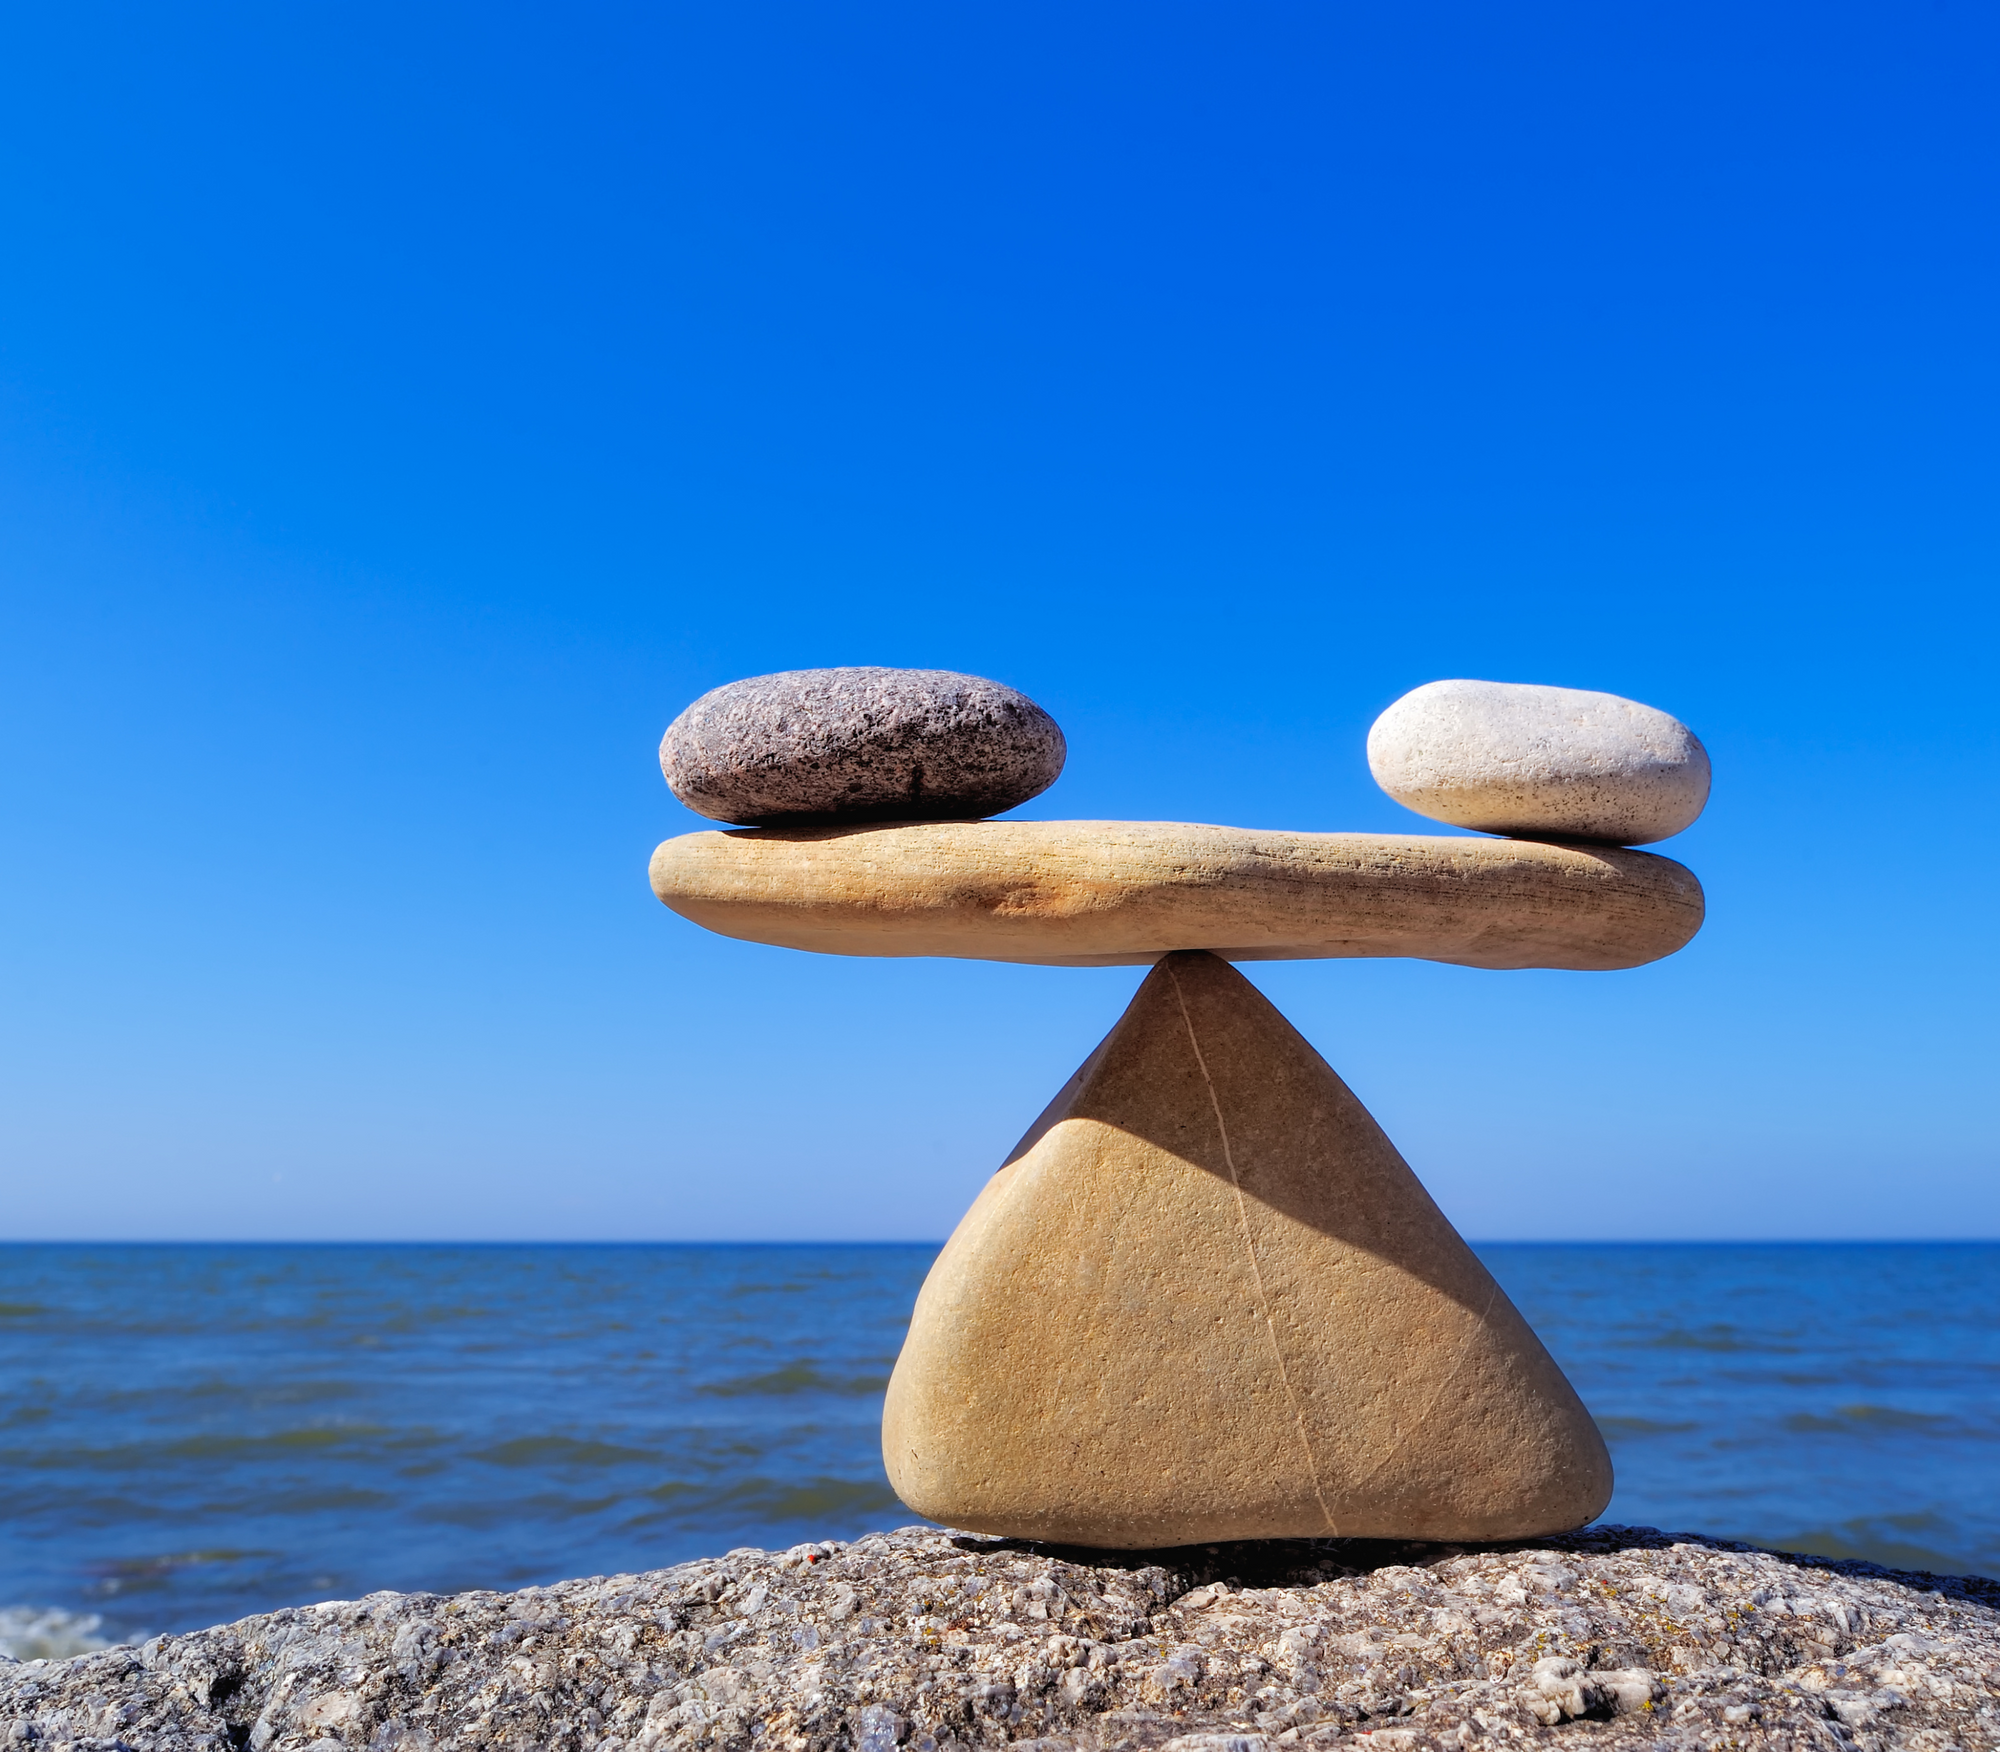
191 1433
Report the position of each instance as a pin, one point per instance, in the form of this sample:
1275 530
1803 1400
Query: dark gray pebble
816 746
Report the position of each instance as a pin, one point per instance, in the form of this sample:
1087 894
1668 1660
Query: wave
1613 1428
1880 1419
1719 1338
564 1451
796 1378
776 1501
1885 1539
46 1633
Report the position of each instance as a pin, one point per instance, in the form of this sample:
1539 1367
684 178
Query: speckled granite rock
1617 1638
814 746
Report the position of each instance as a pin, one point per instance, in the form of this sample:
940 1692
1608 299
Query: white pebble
1510 758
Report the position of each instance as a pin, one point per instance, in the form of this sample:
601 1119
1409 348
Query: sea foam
46 1633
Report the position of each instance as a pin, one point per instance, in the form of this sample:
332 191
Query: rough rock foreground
1618 1637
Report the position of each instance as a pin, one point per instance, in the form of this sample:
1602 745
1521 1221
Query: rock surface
1206 1299
1613 1639
1099 893
1504 757
827 745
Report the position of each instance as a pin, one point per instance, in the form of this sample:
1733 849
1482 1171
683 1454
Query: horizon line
890 1241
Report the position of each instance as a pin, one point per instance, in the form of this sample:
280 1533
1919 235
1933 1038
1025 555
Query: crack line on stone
1250 1251
1405 1432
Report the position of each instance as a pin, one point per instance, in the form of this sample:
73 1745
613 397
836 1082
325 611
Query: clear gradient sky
405 410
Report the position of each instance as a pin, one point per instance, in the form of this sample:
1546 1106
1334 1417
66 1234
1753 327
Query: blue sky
404 411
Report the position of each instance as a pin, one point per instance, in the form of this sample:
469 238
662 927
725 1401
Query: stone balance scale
1204 1298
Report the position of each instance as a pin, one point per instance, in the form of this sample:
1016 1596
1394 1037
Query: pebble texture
1098 893
1508 758
1614 1640
1206 1299
831 745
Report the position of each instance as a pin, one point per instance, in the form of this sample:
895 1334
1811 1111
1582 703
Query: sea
192 1433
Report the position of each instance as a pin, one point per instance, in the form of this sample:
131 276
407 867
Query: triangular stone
1206 1299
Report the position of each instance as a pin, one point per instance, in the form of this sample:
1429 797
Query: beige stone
1206 1299
1097 893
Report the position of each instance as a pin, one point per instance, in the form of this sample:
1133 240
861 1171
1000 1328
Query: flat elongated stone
1098 893
824 745
1505 757
1206 1299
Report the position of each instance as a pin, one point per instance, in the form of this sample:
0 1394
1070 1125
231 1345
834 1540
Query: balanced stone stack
1204 1298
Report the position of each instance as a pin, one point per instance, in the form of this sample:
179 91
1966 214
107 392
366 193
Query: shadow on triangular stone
1206 1299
